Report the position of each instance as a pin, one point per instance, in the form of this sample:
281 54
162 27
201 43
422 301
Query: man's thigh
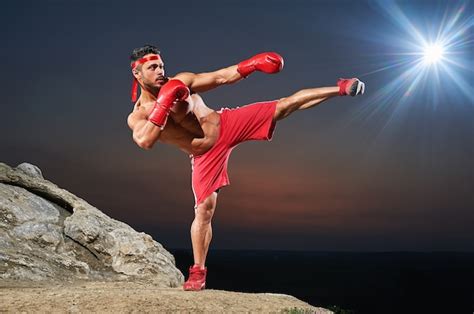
207 207
250 122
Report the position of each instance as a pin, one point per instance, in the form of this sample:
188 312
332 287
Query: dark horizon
389 171
357 282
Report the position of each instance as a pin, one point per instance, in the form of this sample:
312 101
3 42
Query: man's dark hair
138 53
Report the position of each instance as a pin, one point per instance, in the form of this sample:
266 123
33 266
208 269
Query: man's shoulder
138 113
186 77
181 76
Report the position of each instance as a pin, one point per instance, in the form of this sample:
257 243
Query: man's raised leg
308 98
201 235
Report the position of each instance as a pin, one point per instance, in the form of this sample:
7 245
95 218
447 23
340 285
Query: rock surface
48 233
60 254
133 297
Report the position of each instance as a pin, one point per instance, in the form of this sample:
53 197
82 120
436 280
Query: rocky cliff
48 233
60 254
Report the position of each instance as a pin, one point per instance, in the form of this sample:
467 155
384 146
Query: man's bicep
136 121
200 82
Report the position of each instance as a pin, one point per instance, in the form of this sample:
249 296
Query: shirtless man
170 111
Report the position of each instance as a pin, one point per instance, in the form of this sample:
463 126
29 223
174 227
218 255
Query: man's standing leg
201 235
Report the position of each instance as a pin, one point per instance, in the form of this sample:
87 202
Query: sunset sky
390 170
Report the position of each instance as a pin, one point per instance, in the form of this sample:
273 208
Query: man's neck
146 96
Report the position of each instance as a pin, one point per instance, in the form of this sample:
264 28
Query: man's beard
153 89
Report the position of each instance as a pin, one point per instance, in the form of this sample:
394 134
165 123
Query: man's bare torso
192 126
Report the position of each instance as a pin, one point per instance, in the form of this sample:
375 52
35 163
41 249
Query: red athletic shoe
350 87
197 279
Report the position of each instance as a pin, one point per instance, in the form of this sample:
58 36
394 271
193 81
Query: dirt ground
132 297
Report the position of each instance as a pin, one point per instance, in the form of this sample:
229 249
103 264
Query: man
170 111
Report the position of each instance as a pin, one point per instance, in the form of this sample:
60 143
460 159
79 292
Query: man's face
152 73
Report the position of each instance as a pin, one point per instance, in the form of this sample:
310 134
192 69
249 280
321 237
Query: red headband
135 82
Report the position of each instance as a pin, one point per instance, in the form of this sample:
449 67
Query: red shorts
250 122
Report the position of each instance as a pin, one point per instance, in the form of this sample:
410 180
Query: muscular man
170 111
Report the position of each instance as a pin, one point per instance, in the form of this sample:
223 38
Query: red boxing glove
170 92
268 62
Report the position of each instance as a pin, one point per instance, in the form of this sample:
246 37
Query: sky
391 170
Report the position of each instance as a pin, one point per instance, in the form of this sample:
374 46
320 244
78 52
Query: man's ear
137 74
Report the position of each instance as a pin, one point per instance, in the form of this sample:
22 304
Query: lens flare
423 62
433 53
425 58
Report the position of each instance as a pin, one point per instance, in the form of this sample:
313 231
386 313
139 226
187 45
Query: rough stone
49 233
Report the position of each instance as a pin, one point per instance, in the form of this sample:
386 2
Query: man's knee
205 210
283 108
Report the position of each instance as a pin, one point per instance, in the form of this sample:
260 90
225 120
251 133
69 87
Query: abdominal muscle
192 126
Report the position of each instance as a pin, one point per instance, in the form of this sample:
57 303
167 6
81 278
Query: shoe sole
357 88
203 286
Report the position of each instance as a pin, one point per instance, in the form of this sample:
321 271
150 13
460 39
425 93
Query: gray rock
49 233
30 169
18 206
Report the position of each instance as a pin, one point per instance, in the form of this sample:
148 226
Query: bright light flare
433 53
431 58
432 63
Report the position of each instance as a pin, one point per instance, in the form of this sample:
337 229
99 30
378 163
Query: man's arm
202 82
268 62
145 133
147 129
